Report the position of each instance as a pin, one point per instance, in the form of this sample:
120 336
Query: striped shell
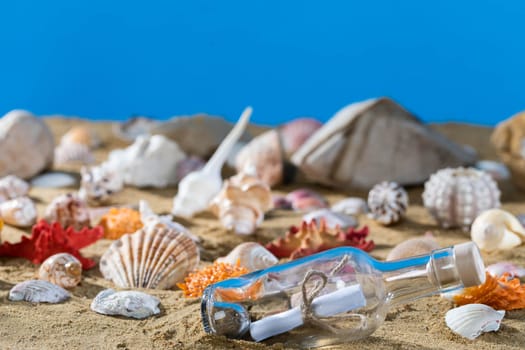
68 210
456 196
153 257
388 202
61 269
250 255
19 212
12 187
38 291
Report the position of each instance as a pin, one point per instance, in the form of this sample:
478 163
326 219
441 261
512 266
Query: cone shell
388 202
469 321
496 229
250 255
61 269
19 212
12 187
153 257
68 210
38 291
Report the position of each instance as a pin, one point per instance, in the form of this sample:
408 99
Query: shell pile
19 212
38 291
388 202
62 269
126 303
471 320
68 210
251 256
496 229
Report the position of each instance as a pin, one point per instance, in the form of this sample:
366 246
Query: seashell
469 321
269 152
68 210
331 218
388 202
498 269
351 206
305 200
27 145
62 269
19 212
126 303
498 171
149 218
198 188
119 221
280 202
153 257
250 255
73 153
413 247
38 291
82 135
242 202
188 165
455 197
496 229
54 179
12 186
133 128
99 183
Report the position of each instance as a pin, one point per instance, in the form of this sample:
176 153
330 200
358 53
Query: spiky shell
469 321
456 196
250 255
61 269
125 303
153 257
38 291
68 210
19 212
12 186
388 202
496 229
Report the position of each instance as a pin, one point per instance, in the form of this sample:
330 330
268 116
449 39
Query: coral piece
351 206
119 221
99 183
38 291
195 283
82 135
19 212
388 202
413 247
496 229
73 153
250 255
455 197
12 187
504 293
188 165
62 269
310 238
127 303
48 239
133 128
242 202
471 320
332 218
68 210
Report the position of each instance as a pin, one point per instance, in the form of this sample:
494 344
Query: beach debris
48 239
27 145
310 238
301 200
469 321
456 196
119 221
11 187
412 247
251 256
38 291
82 135
197 189
351 206
154 257
242 202
498 269
134 127
195 283
99 183
62 269
73 153
68 210
388 202
269 152
18 212
54 179
127 303
188 165
497 229
331 218
498 171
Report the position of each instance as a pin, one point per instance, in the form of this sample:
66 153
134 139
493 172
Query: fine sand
72 325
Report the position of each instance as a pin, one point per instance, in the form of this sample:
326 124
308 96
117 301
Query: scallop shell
498 269
496 229
331 218
388 202
19 212
68 210
153 257
99 183
62 269
469 321
12 186
250 255
73 153
81 135
38 291
455 197
351 206
125 303
54 179
149 218
413 247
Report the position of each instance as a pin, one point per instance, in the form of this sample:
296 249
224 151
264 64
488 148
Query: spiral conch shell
61 269
19 212
12 187
250 255
242 202
496 229
388 202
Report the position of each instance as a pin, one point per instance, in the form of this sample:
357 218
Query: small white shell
388 202
497 170
250 255
332 219
54 180
496 229
62 269
12 187
469 321
351 206
20 212
38 291
498 269
126 303
99 183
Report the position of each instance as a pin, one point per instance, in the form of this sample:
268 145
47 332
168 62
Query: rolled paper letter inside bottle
335 296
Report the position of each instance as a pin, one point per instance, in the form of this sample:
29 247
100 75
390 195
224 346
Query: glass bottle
335 296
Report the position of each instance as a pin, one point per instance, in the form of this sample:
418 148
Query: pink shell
296 132
305 200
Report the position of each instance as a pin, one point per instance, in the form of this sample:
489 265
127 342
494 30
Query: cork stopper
469 264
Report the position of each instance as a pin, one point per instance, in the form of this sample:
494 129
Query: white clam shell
126 303
20 212
12 186
62 269
351 206
388 202
496 229
54 180
498 269
250 255
471 320
331 218
38 291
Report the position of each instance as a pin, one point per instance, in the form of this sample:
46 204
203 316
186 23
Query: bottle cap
469 264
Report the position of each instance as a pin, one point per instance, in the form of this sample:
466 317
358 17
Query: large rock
26 145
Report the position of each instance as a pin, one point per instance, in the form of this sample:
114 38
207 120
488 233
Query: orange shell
504 293
119 221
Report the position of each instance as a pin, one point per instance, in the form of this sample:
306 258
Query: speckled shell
497 229
456 196
153 257
62 269
68 210
413 247
388 202
38 291
250 255
99 183
12 187
73 153
126 303
470 320
20 212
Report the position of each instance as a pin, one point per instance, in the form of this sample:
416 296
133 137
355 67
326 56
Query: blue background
444 60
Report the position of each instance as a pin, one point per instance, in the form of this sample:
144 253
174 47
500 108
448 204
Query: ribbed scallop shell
38 291
388 202
471 320
19 212
12 187
250 255
456 196
61 269
68 210
153 257
496 229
